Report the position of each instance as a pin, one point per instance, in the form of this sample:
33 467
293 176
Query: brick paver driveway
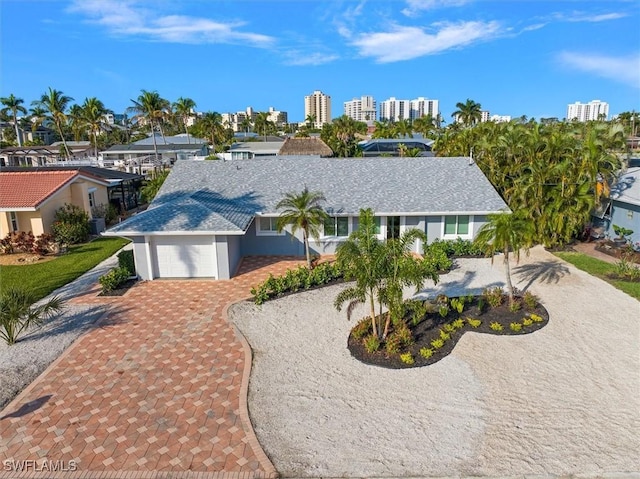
160 385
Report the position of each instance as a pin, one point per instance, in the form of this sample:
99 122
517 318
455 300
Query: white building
363 109
318 105
484 116
500 118
424 107
395 110
280 118
594 110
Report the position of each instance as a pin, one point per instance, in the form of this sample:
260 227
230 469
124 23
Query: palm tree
184 108
263 124
361 258
93 119
150 107
469 112
211 121
17 313
302 211
55 103
14 105
506 232
75 121
403 129
425 125
37 117
310 121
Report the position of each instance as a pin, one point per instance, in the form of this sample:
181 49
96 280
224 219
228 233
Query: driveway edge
266 464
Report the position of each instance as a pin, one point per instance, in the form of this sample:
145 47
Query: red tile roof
29 189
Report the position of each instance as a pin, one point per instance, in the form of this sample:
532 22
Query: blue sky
515 57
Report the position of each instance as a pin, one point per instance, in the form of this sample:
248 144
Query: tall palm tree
469 112
403 129
506 232
184 110
263 125
93 119
74 118
14 105
37 116
302 211
150 107
211 121
361 257
425 125
55 104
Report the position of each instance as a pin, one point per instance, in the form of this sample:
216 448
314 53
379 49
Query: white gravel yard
22 362
564 400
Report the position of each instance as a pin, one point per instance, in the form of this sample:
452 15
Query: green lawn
600 269
44 278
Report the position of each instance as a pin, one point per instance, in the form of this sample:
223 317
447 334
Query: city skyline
530 58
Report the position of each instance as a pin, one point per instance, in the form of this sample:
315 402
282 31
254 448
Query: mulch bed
122 289
616 251
429 329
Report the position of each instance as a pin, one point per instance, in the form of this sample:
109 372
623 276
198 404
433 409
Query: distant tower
424 107
395 110
363 109
318 105
594 110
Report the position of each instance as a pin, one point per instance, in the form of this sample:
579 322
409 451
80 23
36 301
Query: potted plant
622 232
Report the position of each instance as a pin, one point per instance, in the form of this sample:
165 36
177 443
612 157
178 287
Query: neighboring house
391 146
30 198
305 147
210 214
140 159
123 190
625 203
45 155
248 150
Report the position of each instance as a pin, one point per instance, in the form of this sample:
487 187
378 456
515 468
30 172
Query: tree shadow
29 407
455 288
544 271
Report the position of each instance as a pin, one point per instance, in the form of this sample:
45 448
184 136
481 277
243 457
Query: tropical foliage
341 136
302 211
17 314
554 174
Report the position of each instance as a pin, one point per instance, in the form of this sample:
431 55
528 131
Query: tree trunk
507 270
155 146
386 325
64 142
15 124
186 130
306 248
373 313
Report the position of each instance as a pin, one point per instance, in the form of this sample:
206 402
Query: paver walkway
159 386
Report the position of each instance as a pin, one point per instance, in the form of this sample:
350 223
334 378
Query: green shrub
626 270
452 248
126 261
371 343
416 310
515 327
407 358
527 321
403 333
444 335
493 296
474 323
495 326
458 304
530 300
458 323
393 343
443 310
515 305
449 327
362 329
294 280
536 318
113 279
482 304
71 225
108 212
426 352
437 343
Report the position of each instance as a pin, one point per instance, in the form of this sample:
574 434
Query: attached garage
184 257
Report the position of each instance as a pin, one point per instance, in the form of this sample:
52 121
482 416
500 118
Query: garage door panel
184 257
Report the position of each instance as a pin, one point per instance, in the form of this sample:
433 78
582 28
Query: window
377 219
92 199
393 227
267 226
456 225
336 226
14 221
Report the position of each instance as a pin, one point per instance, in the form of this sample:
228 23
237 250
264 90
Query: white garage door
184 257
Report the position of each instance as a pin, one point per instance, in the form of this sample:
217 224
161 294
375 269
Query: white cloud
404 43
620 69
416 6
577 16
128 18
300 58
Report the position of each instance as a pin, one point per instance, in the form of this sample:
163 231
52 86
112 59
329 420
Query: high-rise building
594 110
318 106
363 109
424 107
395 110
484 116
238 121
500 118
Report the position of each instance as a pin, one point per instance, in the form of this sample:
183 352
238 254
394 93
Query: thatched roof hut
305 146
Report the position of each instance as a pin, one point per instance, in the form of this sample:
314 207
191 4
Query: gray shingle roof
627 188
224 196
